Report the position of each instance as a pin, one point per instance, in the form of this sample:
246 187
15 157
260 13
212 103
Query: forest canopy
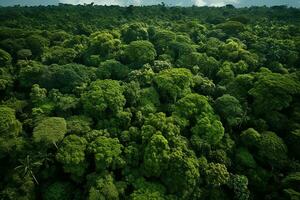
153 102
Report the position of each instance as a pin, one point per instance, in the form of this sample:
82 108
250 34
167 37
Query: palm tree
27 165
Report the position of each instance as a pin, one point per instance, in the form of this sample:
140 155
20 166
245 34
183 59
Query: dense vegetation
149 103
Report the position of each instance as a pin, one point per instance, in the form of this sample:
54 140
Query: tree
138 53
105 187
239 183
28 166
107 153
134 31
24 54
58 55
174 83
112 69
229 108
103 44
58 191
216 174
10 129
50 131
272 150
208 66
5 58
156 156
273 91
209 128
148 190
71 154
182 175
162 40
103 98
32 72
79 124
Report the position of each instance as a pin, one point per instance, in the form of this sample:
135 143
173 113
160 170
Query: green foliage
147 190
244 158
216 174
156 155
58 55
71 155
134 31
150 102
107 152
10 129
239 184
50 131
272 149
5 58
102 98
104 188
112 69
229 108
273 91
140 52
57 191
173 83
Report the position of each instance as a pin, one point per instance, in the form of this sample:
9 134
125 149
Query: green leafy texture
229 108
20 187
112 69
134 31
140 52
240 85
209 128
148 191
156 156
68 77
244 158
196 103
250 138
104 44
102 98
37 44
159 123
143 76
104 188
50 131
71 155
292 181
24 54
32 72
200 116
6 79
272 150
162 40
5 58
174 83
59 55
79 124
239 183
292 194
273 91
148 101
38 95
207 65
10 129
58 191
216 174
231 27
182 175
107 152
293 143
178 48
